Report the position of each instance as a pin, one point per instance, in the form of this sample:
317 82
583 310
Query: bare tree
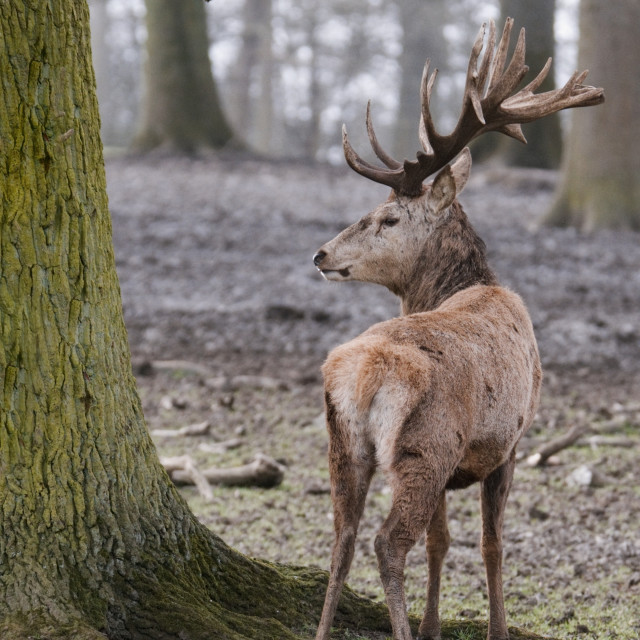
422 24
250 86
544 138
181 110
600 185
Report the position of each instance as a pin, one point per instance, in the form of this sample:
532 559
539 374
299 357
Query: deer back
470 368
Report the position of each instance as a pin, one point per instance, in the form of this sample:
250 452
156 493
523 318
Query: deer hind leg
348 503
413 507
438 540
350 479
495 489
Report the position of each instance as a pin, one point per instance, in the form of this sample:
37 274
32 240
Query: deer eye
390 222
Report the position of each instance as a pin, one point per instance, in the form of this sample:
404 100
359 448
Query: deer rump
464 377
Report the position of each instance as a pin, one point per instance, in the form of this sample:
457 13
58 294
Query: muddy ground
214 259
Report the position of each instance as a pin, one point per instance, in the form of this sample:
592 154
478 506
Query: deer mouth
335 274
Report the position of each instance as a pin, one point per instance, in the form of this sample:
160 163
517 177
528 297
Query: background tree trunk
94 538
181 110
264 107
251 88
600 185
422 24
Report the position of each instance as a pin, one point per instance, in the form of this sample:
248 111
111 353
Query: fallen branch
198 429
552 447
262 471
186 468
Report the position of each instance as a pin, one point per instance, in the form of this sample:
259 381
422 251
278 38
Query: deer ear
449 183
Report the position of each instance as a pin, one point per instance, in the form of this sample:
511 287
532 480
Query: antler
489 104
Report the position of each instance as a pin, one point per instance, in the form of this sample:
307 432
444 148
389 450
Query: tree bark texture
600 185
181 110
95 540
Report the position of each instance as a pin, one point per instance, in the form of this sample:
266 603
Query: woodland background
289 73
230 325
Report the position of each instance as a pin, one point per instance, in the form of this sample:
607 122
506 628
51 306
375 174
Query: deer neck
453 258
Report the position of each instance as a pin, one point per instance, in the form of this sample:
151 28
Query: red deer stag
440 397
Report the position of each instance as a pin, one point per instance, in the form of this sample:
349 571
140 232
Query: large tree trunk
94 538
600 185
181 110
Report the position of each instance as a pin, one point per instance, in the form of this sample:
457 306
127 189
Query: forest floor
229 323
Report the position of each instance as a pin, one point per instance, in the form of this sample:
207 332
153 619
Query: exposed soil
214 259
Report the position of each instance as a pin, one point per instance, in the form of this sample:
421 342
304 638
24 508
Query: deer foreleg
438 540
495 489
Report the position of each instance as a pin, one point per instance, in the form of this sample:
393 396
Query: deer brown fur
438 398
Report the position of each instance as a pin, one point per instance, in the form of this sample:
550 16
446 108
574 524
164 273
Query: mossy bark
94 538
600 186
181 110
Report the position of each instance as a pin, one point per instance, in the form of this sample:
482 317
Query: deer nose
319 257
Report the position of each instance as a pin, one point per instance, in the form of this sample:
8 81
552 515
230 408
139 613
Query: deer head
385 246
382 247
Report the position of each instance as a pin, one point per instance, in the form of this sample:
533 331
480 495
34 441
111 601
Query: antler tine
486 60
540 78
393 179
501 55
472 88
375 145
526 106
426 121
511 77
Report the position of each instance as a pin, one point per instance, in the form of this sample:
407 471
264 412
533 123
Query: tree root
202 589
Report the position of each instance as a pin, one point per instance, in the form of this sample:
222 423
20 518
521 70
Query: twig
182 365
186 468
234 383
539 458
263 471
